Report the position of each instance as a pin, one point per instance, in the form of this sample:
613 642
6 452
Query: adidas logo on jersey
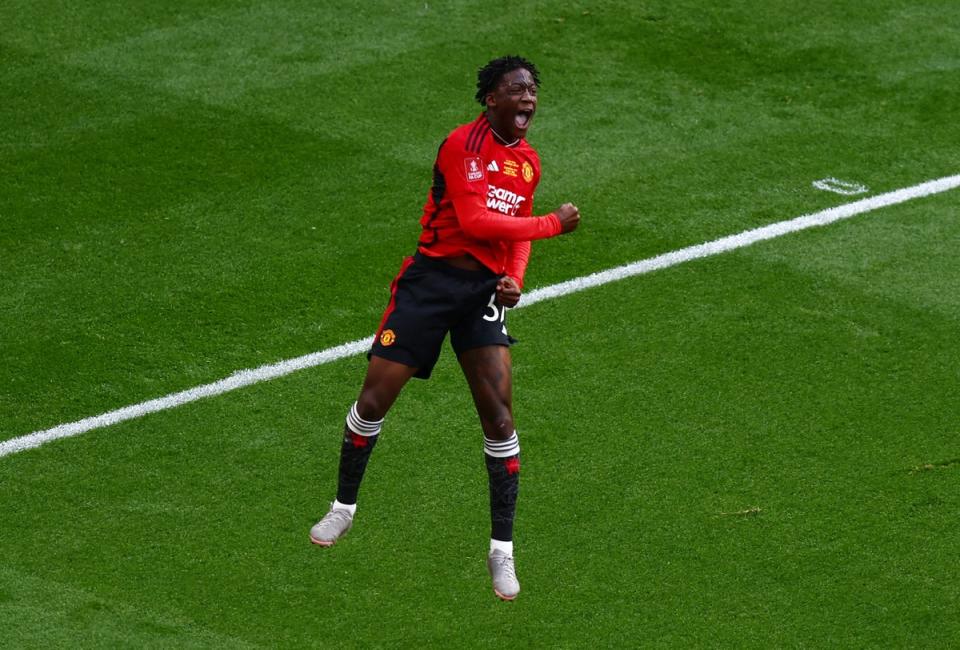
492 167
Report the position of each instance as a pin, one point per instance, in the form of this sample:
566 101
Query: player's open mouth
522 119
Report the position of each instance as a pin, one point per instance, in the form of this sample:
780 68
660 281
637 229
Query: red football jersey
481 201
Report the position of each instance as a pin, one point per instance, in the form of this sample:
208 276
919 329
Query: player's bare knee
370 407
498 426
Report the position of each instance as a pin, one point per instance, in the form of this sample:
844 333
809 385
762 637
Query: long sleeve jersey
481 201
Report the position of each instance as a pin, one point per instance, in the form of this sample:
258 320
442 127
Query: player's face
512 103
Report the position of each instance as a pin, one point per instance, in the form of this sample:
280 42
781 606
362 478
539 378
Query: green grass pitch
757 449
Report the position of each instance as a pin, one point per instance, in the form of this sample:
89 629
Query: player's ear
490 100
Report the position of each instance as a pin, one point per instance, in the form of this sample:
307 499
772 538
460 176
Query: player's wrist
513 274
555 221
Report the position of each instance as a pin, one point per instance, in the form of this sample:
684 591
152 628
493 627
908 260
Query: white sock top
497 545
351 508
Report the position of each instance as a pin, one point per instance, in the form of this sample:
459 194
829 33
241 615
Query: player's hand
569 216
508 291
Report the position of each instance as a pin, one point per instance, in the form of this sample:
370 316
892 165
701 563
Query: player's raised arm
477 221
480 223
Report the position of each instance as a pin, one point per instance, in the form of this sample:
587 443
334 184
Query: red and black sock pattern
503 471
359 438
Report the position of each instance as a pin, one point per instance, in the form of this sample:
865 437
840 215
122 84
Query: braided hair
489 75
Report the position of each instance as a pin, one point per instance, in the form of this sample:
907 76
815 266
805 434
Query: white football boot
332 527
505 583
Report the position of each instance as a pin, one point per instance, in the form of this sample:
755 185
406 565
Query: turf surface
757 449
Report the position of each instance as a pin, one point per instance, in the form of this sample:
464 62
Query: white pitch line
746 238
243 378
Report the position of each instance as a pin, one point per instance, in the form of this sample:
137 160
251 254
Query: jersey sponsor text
504 201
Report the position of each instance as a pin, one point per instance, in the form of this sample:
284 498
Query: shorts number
496 313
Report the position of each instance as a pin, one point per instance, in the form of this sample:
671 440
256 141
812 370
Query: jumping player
468 269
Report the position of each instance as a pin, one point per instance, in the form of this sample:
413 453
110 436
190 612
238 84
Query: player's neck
500 138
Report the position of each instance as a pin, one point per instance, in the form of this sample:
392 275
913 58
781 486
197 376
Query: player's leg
406 345
381 386
488 371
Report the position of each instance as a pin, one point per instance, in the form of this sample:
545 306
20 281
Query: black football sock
503 471
359 438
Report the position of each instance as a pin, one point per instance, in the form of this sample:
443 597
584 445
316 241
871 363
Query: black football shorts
429 298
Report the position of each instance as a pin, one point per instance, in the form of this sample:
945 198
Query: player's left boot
505 583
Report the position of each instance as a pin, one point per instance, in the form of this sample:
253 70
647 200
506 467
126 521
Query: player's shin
503 471
359 438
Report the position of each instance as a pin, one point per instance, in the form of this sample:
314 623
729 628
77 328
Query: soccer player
468 269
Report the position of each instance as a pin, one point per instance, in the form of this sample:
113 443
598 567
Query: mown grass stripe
243 378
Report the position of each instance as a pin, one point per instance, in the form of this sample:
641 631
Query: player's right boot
505 583
332 527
